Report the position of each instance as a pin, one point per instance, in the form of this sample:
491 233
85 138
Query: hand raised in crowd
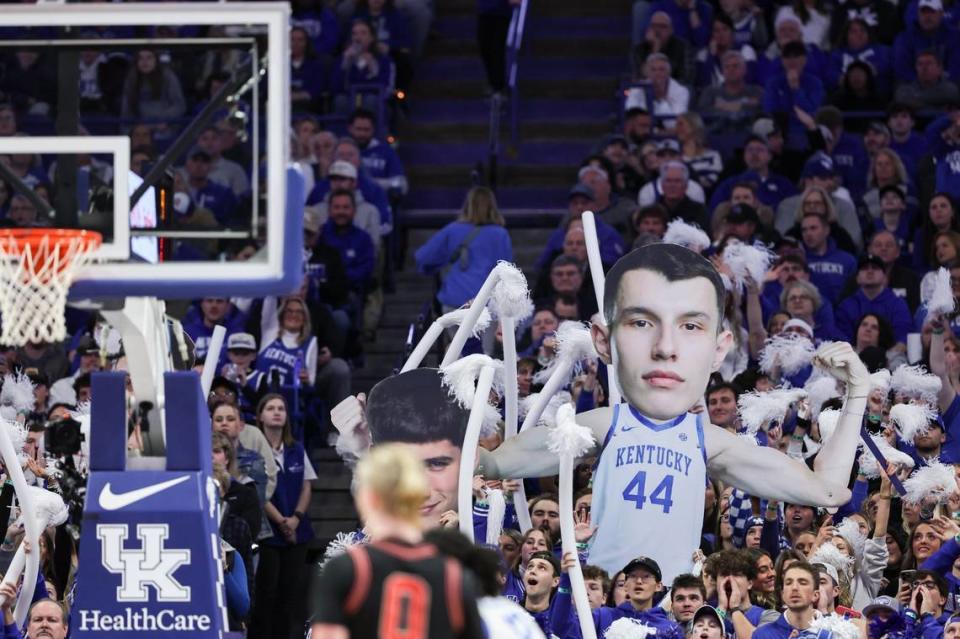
510 486
569 560
9 593
582 530
449 519
479 489
945 527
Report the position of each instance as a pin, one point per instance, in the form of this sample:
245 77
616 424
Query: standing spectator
731 105
393 35
467 249
930 89
281 575
799 594
930 33
659 38
152 91
705 163
791 87
873 296
493 22
663 96
307 74
355 245
377 158
909 145
202 318
829 266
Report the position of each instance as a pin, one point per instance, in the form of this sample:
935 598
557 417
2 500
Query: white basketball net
34 281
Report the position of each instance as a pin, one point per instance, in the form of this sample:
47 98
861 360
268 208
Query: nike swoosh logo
110 500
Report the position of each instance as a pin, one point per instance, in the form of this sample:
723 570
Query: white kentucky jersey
648 492
503 618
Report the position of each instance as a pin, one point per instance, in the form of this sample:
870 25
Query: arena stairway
573 55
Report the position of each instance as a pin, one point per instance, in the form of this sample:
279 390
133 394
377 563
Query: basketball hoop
37 267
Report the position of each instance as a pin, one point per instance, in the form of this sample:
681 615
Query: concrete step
479 131
530 87
440 175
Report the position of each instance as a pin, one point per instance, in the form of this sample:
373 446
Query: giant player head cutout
663 306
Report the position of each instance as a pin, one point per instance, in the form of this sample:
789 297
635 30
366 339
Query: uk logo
683 437
150 565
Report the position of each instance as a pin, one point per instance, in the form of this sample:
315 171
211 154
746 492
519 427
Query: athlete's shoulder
597 420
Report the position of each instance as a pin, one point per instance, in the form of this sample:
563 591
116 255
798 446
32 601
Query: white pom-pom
574 343
827 422
569 437
880 380
915 381
491 421
341 543
934 481
49 507
627 628
911 420
833 627
941 300
790 351
819 389
744 260
870 468
455 318
18 436
549 415
460 377
757 410
688 235
850 531
497 505
510 297
17 393
831 555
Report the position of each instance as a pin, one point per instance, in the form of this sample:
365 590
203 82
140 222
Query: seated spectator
29 81
580 199
662 95
710 59
941 216
378 158
742 193
858 47
829 266
886 172
902 280
21 213
355 245
818 173
788 28
672 194
320 23
627 172
393 35
152 91
814 19
846 150
361 64
909 145
881 18
876 137
465 251
223 171
343 177
896 216
944 254
873 331
568 278
792 86
731 105
667 151
651 220
88 353
205 192
931 89
92 66
661 39
930 33
47 361
749 26
742 222
307 75
944 136
771 187
346 150
705 163
873 296
616 211
26 167
691 20
543 323
637 126
204 316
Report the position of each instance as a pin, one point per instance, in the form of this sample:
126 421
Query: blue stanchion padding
150 559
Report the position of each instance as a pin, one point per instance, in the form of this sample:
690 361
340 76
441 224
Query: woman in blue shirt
468 248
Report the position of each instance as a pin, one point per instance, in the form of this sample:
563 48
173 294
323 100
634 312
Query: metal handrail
518 22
